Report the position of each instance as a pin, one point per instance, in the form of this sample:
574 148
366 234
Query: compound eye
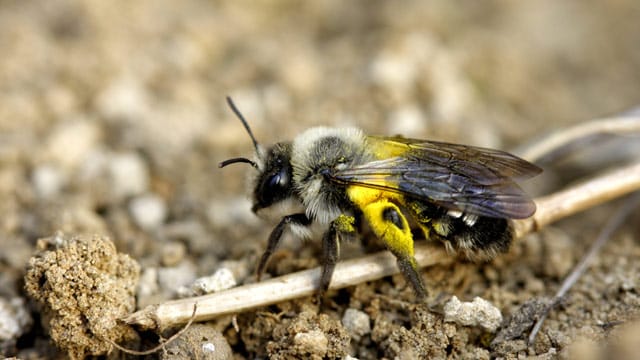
274 181
277 181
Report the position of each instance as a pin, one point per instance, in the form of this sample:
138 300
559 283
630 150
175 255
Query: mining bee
461 195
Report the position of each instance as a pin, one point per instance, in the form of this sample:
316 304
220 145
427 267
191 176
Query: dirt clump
83 286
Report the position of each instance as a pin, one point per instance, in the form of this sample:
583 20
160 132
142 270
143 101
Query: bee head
273 182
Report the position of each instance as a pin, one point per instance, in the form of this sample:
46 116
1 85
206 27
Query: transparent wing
470 179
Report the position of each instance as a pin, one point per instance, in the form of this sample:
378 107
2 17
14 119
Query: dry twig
580 197
163 344
547 146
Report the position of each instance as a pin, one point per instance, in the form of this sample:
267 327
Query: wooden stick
580 197
622 126
372 267
287 287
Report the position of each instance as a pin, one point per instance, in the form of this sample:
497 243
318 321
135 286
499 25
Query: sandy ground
113 121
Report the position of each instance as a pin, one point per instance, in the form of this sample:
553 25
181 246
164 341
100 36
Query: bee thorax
315 153
321 200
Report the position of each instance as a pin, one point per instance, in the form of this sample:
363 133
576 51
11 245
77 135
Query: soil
113 121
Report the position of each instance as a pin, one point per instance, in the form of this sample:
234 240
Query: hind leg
389 224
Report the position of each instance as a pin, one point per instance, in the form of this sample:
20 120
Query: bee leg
276 235
342 226
388 223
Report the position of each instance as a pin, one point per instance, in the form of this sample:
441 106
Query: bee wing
470 179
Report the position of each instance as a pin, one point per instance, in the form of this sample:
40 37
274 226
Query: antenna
244 122
246 126
237 160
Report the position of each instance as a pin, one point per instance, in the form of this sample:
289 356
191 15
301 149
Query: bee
340 178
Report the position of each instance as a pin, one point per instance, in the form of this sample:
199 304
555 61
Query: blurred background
113 116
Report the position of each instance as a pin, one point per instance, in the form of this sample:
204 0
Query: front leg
276 235
341 227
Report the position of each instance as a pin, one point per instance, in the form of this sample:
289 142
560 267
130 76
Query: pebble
479 312
148 283
393 71
14 318
222 279
231 211
407 120
192 231
129 174
172 278
149 211
94 166
47 180
123 98
71 141
173 253
148 289
239 268
453 94
357 322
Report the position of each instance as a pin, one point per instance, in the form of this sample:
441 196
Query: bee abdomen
476 237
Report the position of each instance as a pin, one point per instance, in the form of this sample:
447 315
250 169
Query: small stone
172 278
222 279
148 285
393 71
313 342
71 141
14 318
628 284
356 322
208 347
452 91
407 120
239 268
129 174
173 253
230 212
148 211
47 181
123 98
479 312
